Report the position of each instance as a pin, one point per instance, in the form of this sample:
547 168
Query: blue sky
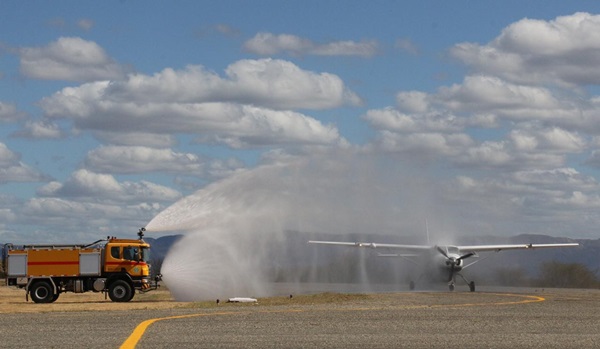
111 111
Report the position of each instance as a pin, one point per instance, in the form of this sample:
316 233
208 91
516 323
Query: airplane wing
422 248
497 248
411 248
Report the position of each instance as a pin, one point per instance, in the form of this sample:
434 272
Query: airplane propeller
453 261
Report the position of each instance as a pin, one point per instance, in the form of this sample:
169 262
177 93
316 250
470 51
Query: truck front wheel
41 292
120 291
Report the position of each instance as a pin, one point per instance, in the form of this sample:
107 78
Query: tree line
551 274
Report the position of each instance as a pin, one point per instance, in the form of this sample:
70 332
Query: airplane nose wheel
451 287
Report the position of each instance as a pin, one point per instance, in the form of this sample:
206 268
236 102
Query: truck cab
117 267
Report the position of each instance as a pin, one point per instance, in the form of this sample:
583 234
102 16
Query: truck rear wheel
41 292
120 291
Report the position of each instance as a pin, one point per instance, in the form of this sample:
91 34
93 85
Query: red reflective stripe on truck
128 263
53 263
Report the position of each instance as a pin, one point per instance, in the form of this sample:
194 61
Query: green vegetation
569 275
511 277
552 274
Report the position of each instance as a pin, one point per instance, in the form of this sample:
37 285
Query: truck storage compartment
17 264
89 263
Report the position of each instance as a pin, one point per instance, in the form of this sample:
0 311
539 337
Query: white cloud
489 94
220 29
347 48
412 101
407 45
134 138
13 170
40 130
87 186
551 139
394 120
7 156
71 59
562 178
85 24
534 201
82 221
248 108
594 159
10 113
502 155
580 200
226 29
270 83
138 159
426 145
267 44
440 134
485 101
88 200
564 51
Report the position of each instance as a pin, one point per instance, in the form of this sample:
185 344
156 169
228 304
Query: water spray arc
238 230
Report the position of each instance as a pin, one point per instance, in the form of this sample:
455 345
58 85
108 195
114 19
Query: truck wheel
132 294
41 292
120 291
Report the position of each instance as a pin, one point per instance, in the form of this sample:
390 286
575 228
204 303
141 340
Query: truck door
124 258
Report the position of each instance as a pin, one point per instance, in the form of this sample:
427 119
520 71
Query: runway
498 318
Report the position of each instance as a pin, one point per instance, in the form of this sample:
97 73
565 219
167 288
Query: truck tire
120 291
41 292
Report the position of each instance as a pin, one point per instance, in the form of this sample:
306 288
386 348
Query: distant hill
339 264
161 245
293 259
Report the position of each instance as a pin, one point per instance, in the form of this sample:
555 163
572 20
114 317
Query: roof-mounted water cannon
141 233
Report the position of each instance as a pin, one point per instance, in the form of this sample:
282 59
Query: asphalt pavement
504 318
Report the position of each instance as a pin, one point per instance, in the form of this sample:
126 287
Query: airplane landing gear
471 284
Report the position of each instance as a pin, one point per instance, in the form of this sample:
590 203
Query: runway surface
493 318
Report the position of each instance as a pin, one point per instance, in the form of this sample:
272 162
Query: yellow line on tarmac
138 332
529 299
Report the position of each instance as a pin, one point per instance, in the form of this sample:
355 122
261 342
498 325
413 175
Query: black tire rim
119 292
41 292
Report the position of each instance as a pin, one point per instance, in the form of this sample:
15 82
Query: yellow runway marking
529 299
137 334
139 331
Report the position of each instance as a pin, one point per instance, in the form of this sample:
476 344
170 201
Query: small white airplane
442 262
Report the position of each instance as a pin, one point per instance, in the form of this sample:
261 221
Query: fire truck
117 267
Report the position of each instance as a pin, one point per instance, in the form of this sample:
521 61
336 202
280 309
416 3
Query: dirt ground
12 300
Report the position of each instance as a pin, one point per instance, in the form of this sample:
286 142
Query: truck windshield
130 253
146 254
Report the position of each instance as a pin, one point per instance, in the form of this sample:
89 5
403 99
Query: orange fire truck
117 267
